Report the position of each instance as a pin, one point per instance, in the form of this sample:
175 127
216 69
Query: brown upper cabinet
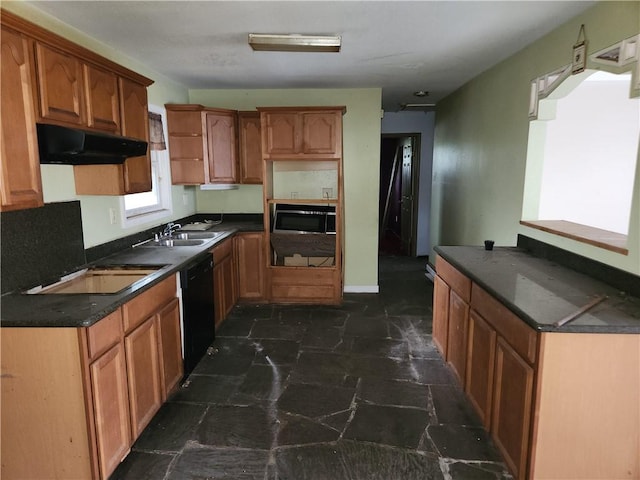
103 107
213 145
186 144
21 186
135 123
60 86
63 83
249 147
308 141
222 149
302 133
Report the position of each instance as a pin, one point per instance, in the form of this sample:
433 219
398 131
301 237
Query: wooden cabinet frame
21 184
71 86
250 148
203 145
84 394
557 405
302 139
225 279
250 262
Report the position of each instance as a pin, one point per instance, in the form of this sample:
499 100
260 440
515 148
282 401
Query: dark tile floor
355 392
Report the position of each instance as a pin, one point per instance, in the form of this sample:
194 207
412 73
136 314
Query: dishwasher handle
196 270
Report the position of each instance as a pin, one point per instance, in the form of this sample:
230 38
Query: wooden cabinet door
225 290
230 287
219 297
282 136
457 335
111 408
512 400
60 86
21 185
171 364
251 266
134 117
250 148
480 366
143 370
221 148
321 134
101 90
440 315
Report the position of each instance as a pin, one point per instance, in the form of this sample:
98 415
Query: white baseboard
361 289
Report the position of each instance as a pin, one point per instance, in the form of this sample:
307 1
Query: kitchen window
144 207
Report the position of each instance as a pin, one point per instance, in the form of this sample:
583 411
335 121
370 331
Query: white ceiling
401 46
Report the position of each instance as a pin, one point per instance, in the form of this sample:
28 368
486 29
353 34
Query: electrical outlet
112 216
327 193
185 199
294 194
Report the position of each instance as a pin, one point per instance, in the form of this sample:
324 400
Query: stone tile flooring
356 392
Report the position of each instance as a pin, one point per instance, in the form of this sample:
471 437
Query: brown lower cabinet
480 360
170 347
224 280
440 314
250 263
457 335
79 397
513 397
238 272
111 408
557 405
143 374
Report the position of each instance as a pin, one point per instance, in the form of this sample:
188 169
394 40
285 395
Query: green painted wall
481 142
361 146
57 180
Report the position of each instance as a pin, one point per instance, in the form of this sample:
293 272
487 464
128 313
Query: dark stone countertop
542 292
82 310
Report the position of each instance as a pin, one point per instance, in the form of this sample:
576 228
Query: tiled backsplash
40 244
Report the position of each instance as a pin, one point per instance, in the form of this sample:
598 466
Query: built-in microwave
289 218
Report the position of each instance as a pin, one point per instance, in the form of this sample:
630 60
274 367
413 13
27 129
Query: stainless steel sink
197 235
182 239
174 242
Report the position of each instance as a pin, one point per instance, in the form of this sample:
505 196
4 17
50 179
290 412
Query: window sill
615 242
144 218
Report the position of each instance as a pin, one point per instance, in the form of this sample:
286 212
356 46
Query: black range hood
70 146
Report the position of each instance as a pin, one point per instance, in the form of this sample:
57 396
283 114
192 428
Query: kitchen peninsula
559 391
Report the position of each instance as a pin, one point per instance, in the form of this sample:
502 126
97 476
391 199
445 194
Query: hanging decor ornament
579 52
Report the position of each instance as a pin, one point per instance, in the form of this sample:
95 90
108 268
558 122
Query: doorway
399 165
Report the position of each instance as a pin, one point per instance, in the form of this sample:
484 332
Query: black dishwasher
196 281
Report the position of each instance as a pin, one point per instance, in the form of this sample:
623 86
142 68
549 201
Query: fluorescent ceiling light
405 106
295 43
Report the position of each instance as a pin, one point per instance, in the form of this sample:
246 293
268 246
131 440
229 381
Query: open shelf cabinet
302 161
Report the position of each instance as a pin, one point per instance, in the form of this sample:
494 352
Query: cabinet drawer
104 334
222 250
287 293
518 334
456 280
144 305
293 284
303 276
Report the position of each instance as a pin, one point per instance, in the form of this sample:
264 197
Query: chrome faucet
170 228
